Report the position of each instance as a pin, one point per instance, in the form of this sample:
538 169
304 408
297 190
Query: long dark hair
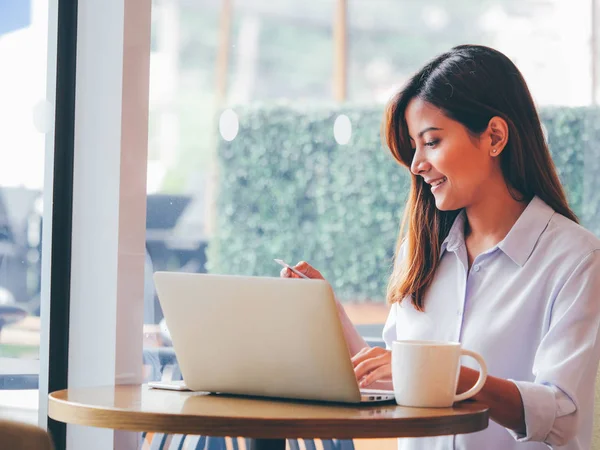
470 84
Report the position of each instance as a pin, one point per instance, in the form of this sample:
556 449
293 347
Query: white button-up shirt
531 307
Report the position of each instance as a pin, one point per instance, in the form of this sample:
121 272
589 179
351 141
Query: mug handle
480 381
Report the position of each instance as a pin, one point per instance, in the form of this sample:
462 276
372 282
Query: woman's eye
432 143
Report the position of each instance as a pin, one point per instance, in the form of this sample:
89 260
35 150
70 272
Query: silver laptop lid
261 336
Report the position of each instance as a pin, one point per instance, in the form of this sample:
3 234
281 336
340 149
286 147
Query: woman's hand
372 364
354 341
303 267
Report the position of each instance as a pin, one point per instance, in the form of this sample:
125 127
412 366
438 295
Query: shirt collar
520 241
456 235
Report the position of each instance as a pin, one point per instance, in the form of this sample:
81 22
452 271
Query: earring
495 150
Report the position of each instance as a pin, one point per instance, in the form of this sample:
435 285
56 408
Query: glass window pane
548 40
25 119
250 158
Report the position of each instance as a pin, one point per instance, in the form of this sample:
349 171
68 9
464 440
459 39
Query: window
550 42
263 142
260 159
26 123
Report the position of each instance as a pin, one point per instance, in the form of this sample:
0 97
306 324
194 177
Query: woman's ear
496 135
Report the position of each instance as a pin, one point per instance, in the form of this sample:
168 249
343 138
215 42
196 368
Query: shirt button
476 268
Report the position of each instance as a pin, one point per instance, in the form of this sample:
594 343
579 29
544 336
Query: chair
159 441
163 365
21 436
596 434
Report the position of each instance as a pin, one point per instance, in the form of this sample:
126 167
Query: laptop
259 336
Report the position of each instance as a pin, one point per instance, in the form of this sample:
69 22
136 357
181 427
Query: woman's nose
419 164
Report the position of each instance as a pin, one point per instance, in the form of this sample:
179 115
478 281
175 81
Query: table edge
118 419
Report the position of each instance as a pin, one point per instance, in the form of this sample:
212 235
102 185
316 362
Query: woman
492 256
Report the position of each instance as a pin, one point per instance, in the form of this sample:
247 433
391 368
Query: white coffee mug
425 373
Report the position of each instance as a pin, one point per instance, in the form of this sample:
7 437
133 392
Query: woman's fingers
308 270
359 354
287 273
381 373
367 353
303 267
370 365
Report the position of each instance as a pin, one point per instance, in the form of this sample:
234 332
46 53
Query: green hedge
288 190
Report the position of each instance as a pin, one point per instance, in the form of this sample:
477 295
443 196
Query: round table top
139 408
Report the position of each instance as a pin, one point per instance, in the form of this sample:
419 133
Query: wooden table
267 422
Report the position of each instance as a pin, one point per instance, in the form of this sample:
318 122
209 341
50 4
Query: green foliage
288 190
574 138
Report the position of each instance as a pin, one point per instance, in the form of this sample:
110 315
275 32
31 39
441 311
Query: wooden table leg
267 444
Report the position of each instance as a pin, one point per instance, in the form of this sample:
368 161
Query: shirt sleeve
566 361
389 329
354 340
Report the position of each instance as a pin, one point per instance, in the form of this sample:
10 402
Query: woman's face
451 161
